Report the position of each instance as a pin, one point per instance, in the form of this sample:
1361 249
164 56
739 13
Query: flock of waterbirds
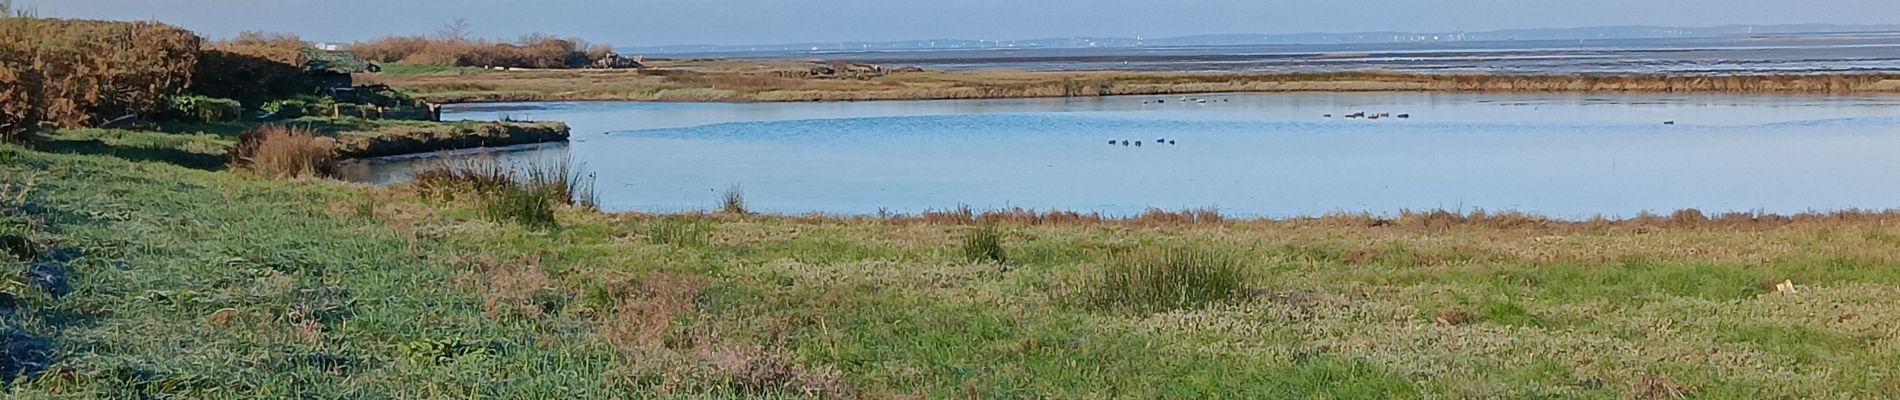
1186 100
1199 100
1137 143
1367 115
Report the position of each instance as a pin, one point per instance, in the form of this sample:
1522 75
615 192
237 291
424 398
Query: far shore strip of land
794 81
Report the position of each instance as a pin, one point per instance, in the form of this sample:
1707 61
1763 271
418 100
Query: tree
457 30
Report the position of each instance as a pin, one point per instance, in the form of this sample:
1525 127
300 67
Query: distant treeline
455 48
70 73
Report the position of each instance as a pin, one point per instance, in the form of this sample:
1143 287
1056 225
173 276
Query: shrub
733 200
21 101
254 67
243 73
286 108
87 71
984 244
1169 279
194 108
278 151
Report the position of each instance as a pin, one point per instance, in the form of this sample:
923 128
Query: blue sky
663 22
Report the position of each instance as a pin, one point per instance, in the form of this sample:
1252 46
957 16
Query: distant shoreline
803 81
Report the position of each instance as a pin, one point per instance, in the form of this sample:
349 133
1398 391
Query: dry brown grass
277 151
647 308
1451 317
1657 387
304 325
515 289
643 323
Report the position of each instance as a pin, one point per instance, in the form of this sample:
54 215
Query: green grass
200 150
412 69
201 284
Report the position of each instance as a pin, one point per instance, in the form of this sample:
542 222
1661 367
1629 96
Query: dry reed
278 151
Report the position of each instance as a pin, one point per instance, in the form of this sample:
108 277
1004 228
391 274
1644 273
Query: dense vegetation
254 68
68 73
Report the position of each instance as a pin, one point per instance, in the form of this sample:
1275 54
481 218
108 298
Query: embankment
424 138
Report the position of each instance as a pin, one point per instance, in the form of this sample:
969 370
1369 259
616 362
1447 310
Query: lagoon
1277 155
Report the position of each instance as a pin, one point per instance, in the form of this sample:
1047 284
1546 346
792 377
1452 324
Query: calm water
1570 156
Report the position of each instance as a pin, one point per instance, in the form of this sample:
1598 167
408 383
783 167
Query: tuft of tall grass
528 205
984 244
733 201
565 179
527 195
279 151
1157 280
677 231
447 177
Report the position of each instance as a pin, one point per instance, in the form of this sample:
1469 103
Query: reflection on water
1567 156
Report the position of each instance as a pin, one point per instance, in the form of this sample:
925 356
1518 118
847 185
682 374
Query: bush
21 100
984 244
1171 279
284 152
251 78
287 108
88 71
194 108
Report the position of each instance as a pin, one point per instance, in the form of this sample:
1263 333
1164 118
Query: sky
672 22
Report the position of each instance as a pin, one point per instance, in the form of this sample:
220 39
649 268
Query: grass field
746 81
175 282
